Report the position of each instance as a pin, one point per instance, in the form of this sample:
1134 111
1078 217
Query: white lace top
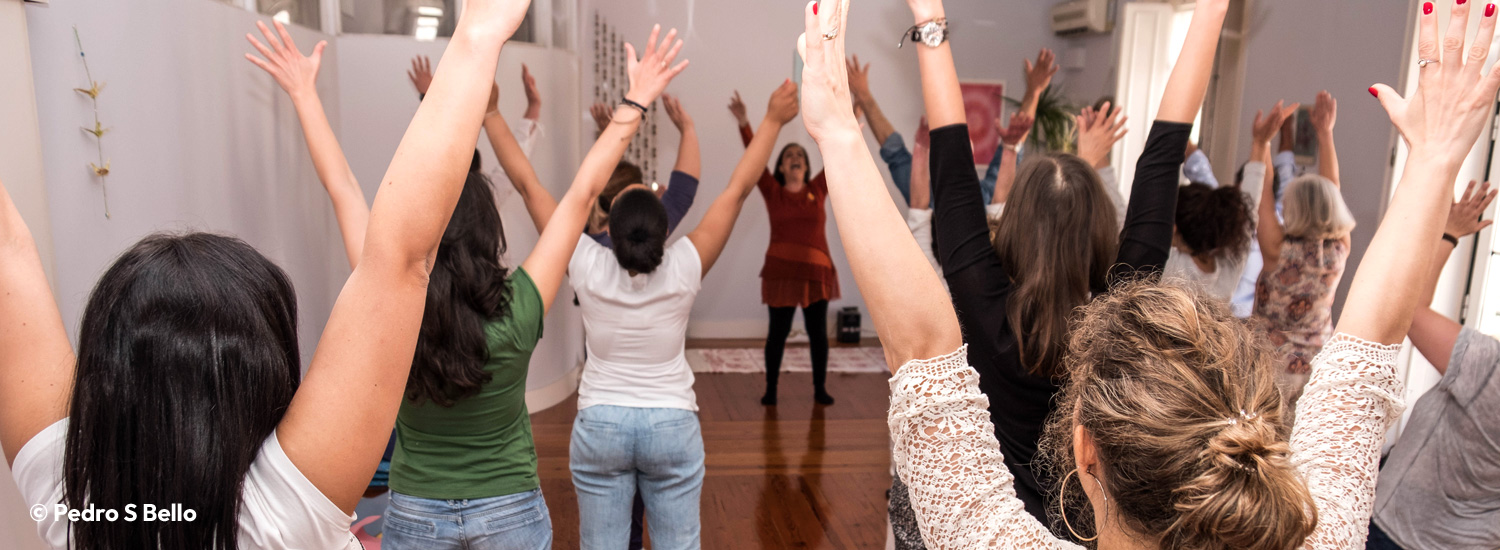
945 449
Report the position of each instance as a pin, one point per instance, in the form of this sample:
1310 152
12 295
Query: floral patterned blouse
1294 299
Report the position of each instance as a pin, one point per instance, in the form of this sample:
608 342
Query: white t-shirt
636 327
280 508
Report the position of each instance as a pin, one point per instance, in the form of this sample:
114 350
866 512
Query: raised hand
1039 75
650 74
825 77
493 106
297 74
1325 112
601 113
420 73
533 95
1098 131
1446 114
783 106
1014 134
859 79
679 116
737 108
1464 217
1266 125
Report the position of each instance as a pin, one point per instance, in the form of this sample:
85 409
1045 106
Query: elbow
411 265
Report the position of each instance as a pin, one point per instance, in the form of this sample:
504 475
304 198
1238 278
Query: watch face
932 35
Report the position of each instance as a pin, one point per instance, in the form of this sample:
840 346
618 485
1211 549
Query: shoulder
687 262
282 508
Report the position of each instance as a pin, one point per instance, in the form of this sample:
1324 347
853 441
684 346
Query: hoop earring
1062 493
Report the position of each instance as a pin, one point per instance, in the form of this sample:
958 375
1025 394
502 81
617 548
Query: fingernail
1489 11
1374 92
815 8
1427 8
1462 2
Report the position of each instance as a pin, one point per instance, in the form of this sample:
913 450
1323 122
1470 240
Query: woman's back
1295 297
481 446
636 327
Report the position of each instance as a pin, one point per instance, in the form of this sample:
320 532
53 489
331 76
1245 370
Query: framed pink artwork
984 101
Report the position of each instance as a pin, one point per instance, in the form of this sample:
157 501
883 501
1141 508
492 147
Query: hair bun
1246 442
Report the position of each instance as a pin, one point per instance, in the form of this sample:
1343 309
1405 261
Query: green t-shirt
481 446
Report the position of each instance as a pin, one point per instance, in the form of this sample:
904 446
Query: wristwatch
932 33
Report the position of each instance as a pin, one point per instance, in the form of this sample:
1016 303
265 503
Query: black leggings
815 319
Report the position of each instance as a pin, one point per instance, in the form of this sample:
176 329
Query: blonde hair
1181 402
1313 208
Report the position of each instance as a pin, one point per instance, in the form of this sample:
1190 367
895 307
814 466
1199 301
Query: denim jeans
510 522
619 450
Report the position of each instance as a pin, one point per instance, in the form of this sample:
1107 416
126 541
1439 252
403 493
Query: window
422 19
307 13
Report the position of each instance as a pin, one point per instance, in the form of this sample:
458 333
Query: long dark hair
638 229
467 289
1058 236
187 361
1214 222
781 177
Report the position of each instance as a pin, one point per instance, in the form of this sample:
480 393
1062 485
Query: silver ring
1423 63
830 35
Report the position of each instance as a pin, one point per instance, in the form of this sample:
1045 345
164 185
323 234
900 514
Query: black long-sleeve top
980 283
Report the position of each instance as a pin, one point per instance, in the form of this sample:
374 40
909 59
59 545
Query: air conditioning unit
1080 17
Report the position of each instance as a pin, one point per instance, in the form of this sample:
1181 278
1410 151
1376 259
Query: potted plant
1053 129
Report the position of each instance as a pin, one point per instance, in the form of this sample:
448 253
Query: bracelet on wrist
628 103
1451 239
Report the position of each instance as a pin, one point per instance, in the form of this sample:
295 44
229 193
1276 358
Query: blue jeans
898 159
510 522
618 450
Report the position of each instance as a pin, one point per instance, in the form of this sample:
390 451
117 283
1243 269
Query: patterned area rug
798 359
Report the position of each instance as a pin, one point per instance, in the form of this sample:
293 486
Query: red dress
798 271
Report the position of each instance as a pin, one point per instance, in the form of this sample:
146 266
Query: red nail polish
1427 8
1374 92
815 8
1462 2
1489 11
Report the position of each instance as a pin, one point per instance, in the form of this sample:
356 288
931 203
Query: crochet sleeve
946 452
1351 399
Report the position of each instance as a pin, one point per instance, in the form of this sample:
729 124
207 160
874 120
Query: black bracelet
1451 239
627 102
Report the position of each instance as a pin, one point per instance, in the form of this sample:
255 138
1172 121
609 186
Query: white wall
1294 52
380 101
200 140
733 46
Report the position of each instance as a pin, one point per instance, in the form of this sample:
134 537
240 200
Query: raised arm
741 117
533 95
1325 114
689 160
649 76
539 202
1183 96
339 422
1432 333
1150 217
907 302
420 74
1011 138
298 76
859 86
36 360
713 232
1268 231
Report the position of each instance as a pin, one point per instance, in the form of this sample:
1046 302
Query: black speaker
848 325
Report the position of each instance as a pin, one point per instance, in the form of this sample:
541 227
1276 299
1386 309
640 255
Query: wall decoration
101 168
610 84
984 101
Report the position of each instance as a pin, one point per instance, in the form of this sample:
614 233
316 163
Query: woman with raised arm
187 366
1304 257
1171 411
1058 245
464 447
637 428
1215 224
798 271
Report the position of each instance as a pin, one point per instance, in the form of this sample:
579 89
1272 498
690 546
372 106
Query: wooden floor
791 476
